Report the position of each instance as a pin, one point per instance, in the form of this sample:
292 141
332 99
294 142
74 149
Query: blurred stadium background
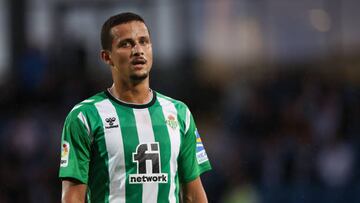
274 87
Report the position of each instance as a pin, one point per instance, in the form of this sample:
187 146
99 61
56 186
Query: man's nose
137 50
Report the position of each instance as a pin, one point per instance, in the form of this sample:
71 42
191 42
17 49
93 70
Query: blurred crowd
290 137
286 135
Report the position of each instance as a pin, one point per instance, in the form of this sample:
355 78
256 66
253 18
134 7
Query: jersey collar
135 106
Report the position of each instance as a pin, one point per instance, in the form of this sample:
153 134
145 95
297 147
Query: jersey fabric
131 153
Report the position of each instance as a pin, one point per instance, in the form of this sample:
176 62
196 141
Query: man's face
131 51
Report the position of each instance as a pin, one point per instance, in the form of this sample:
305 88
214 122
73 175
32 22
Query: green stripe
99 173
177 189
131 141
162 136
181 110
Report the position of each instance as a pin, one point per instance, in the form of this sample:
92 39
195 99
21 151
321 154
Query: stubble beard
137 78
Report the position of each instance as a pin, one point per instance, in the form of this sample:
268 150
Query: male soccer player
130 143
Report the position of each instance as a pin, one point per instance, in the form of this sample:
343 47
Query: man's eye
125 44
143 41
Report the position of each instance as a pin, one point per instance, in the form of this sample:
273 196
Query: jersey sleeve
75 148
193 160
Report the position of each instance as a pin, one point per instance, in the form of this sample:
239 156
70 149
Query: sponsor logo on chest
147 158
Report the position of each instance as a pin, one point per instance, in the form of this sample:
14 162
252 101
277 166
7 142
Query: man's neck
134 94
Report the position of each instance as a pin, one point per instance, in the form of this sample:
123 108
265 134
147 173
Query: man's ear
105 56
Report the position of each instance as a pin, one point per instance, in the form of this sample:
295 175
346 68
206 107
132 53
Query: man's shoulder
87 104
176 102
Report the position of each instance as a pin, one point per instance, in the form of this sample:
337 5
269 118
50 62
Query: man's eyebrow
144 36
125 40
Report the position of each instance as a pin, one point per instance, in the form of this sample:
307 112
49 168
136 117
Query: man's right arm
75 158
73 191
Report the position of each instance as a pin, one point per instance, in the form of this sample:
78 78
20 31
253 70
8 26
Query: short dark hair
106 36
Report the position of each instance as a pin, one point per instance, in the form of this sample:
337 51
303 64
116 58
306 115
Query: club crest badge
172 122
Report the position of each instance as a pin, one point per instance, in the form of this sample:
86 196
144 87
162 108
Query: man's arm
194 192
73 191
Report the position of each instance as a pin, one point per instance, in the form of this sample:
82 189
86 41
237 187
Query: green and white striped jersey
131 153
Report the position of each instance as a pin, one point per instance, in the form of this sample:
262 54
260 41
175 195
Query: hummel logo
111 121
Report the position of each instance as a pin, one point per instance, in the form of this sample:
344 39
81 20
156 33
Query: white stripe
187 120
84 121
146 135
115 150
88 100
174 136
78 105
75 107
